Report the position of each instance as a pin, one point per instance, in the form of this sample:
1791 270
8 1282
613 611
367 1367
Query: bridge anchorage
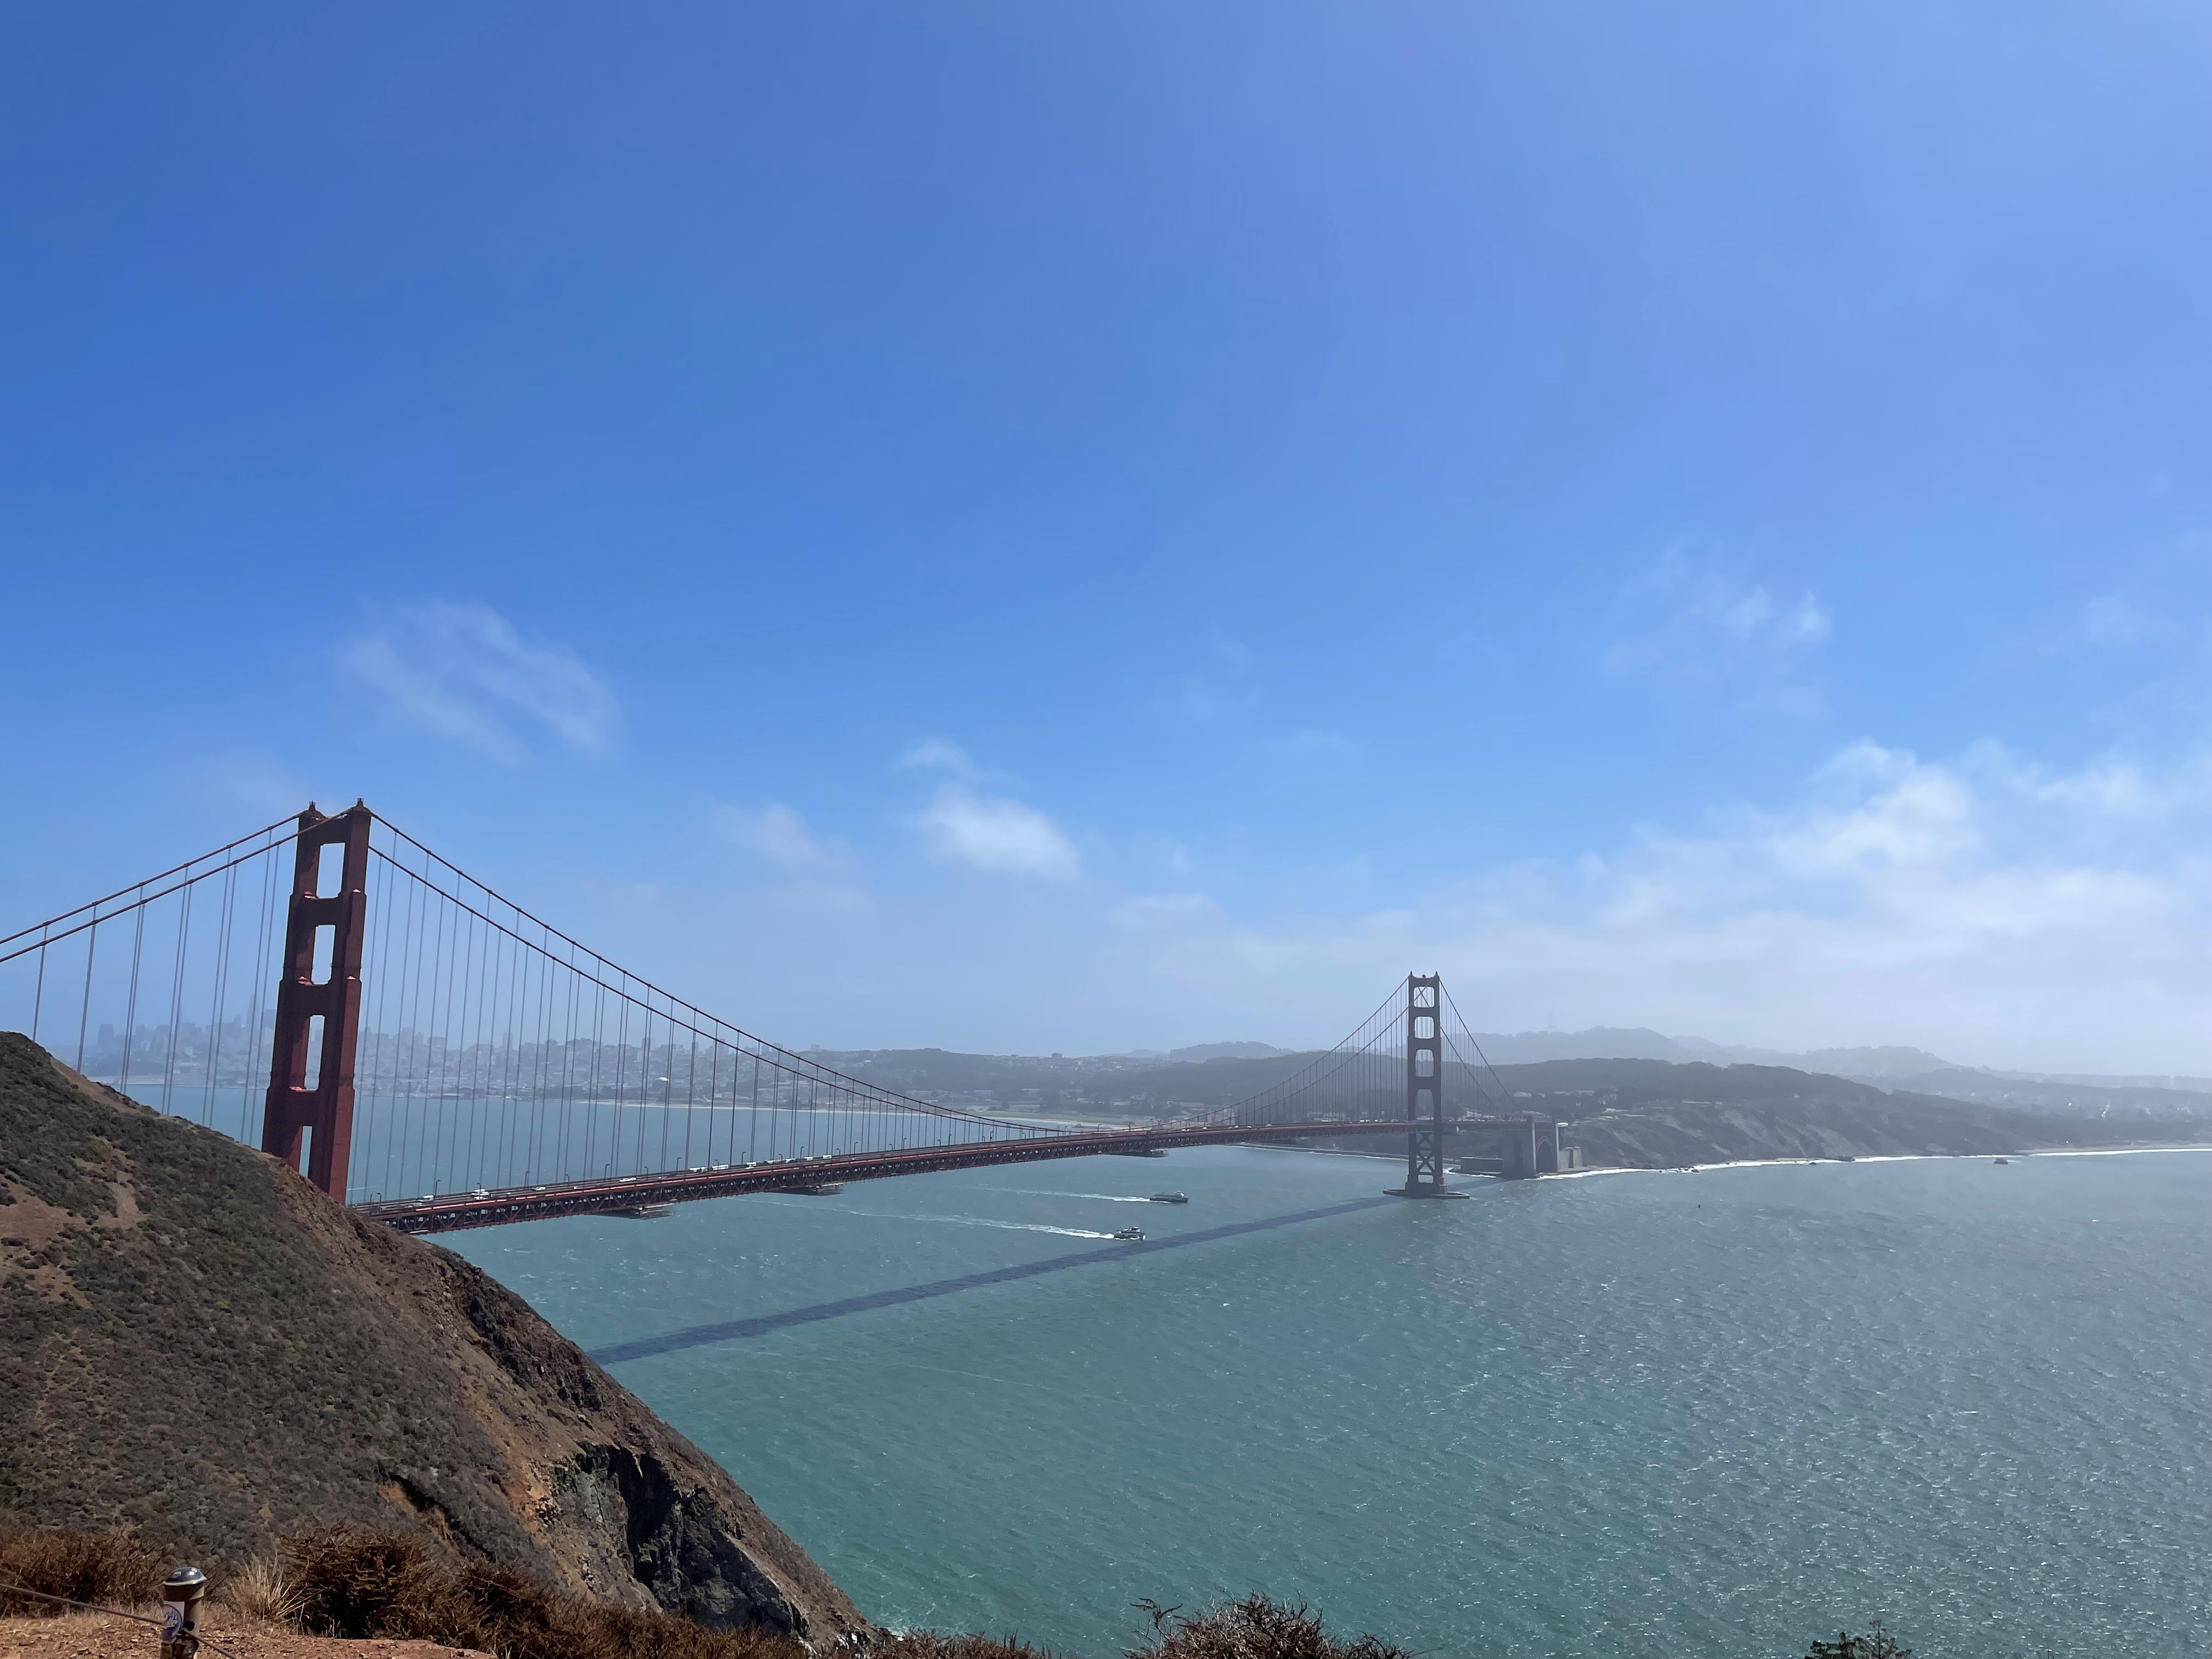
430 1052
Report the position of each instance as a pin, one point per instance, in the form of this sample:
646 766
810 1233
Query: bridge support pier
1531 1149
1424 1090
321 1015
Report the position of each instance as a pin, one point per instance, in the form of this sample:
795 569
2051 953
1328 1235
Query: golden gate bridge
330 990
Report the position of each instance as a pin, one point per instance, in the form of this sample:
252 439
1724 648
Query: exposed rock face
195 1341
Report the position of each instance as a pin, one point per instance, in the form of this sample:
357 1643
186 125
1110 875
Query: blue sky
1057 528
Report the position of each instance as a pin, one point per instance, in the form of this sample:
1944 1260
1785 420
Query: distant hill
1206 1051
1599 1042
1209 1082
1641 1114
200 1345
1219 1073
2123 1103
1638 1042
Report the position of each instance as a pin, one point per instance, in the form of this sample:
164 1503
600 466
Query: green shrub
1877 1643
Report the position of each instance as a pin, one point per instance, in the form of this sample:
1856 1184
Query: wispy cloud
985 832
990 832
1224 689
1689 622
1993 911
463 672
253 780
778 834
2110 620
937 755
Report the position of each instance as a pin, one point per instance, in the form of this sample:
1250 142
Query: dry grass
259 1590
352 1582
356 1583
110 1568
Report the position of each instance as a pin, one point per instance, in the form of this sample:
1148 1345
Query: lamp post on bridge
1424 1090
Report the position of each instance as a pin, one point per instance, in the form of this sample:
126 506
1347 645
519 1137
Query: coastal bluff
197 1344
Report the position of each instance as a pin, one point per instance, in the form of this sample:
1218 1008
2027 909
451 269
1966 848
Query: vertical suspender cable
39 991
84 1013
130 1002
177 991
690 1081
221 986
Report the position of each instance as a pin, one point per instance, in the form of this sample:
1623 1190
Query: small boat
1167 1198
2004 1160
1131 1235
646 1211
820 1189
1137 1151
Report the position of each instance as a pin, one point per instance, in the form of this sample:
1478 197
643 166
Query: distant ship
646 1211
1168 1198
2004 1160
820 1189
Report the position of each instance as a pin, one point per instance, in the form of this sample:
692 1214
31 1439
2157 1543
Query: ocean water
1719 1412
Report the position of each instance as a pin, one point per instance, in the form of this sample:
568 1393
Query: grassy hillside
200 1345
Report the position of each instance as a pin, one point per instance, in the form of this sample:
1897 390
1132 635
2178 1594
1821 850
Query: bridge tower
319 1018
1424 1090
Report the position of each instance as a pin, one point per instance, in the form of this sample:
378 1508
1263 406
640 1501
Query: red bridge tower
318 1018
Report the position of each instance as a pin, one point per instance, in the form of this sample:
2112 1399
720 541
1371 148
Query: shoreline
1771 1162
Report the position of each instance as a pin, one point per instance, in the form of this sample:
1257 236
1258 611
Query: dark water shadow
699 1336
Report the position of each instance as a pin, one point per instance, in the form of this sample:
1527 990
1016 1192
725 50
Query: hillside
2120 1103
1644 1114
200 1345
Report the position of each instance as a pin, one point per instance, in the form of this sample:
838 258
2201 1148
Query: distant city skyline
1032 531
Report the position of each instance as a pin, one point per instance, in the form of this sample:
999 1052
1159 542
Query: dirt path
97 1636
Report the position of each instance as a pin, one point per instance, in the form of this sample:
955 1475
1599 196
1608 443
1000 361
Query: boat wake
966 1221
1017 1226
1104 1197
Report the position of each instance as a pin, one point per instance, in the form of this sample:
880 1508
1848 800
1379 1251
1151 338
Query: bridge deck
610 1196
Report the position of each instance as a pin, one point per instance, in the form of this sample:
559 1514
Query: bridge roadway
606 1196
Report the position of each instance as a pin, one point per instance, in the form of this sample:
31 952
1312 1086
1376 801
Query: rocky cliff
195 1342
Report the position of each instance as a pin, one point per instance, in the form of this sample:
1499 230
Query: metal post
1424 1090
181 1594
327 1108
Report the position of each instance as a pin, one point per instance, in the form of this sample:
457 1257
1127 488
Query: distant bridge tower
1424 1090
319 1018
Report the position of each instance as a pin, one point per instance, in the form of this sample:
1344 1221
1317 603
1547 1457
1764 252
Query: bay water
1718 1413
